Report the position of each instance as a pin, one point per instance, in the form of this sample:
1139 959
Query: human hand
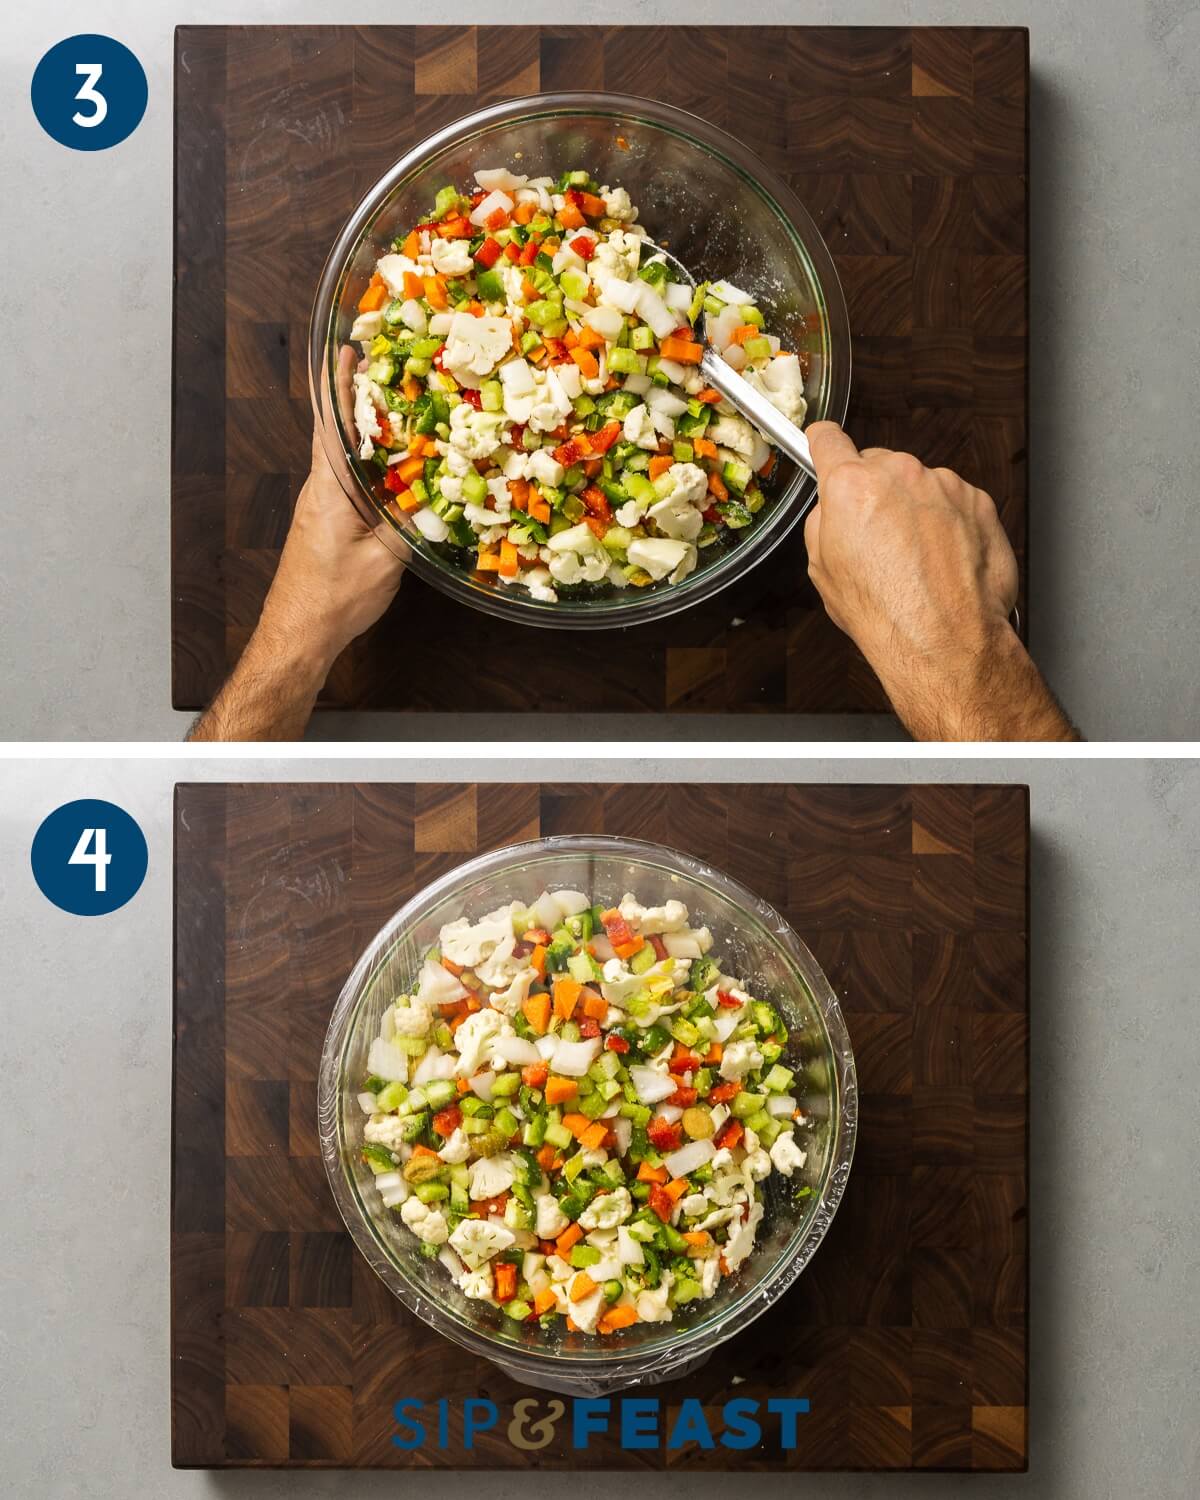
335 577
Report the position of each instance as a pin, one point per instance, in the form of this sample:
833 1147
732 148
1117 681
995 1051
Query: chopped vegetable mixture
530 391
575 1109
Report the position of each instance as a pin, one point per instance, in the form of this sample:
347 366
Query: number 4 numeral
90 72
99 856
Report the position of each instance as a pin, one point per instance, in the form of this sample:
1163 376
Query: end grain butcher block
909 147
907 1333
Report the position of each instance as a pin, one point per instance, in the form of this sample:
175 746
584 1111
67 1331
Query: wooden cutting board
910 149
907 1333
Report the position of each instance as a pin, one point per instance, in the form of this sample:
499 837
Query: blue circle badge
89 92
89 858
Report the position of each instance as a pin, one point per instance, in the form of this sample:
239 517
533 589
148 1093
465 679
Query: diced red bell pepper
730 1002
713 516
472 397
456 228
569 453
596 503
661 1203
683 1096
497 219
588 1027
477 197
489 253
512 252
504 1281
724 1092
662 1135
596 526
584 247
393 482
660 948
683 1061
447 1121
602 441
535 934
615 1043
729 1135
530 251
555 348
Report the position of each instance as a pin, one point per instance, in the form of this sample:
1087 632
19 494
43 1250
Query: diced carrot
743 332
682 351
572 1326
537 960
519 490
562 1245
405 501
589 338
595 1006
451 967
586 361
714 1054
544 1300
590 204
576 1124
558 1090
659 464
375 295
716 486
570 339
419 1150
545 1158
529 291
524 212
474 308
705 447
411 387
592 467
768 467
411 468
675 1190
697 1237
570 217
647 1173
583 1286
510 559
534 1075
414 287
622 143
708 395
537 1012
504 1284
435 292
594 1136
617 1317
566 995
539 509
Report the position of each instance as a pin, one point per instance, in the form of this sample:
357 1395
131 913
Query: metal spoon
736 389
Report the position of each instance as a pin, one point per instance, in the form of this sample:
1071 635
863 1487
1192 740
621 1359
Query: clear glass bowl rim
787 510
607 1357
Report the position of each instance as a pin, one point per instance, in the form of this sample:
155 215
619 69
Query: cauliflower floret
366 326
457 1147
619 254
476 434
639 427
469 945
652 1305
577 556
782 383
533 1269
387 1130
550 1221
757 1165
491 1176
733 432
559 1269
607 1210
477 1284
678 513
538 582
369 400
693 1204
660 555
392 269
617 205
545 468
786 1156
670 917
509 1001
741 1241
472 1038
413 1019
475 346
477 1240
710 1275
426 1222
585 1313
740 1058
451 257
501 965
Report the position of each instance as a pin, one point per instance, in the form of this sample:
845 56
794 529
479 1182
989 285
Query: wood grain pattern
908 1333
909 148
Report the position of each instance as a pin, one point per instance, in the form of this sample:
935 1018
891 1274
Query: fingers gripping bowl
722 212
751 940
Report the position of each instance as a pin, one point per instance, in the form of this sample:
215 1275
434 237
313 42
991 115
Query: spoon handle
753 405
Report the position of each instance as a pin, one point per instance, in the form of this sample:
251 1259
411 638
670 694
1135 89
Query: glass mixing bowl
723 212
751 939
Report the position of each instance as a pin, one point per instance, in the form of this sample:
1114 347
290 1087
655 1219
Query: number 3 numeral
99 857
90 72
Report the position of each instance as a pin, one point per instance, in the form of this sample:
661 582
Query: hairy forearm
991 692
271 692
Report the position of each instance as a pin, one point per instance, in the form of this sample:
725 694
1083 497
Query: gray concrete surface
85 1091
1115 304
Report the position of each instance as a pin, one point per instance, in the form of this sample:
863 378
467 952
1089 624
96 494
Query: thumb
830 446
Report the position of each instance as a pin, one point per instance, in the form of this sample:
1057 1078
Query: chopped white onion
546 1046
386 1061
517 1050
434 1064
670 1113
499 179
489 205
366 1102
438 986
725 291
689 1157
573 1059
547 912
623 1130
606 320
661 400
430 525
680 944
601 947
481 1084
678 296
780 1104
654 310
651 1085
725 1024
451 1262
